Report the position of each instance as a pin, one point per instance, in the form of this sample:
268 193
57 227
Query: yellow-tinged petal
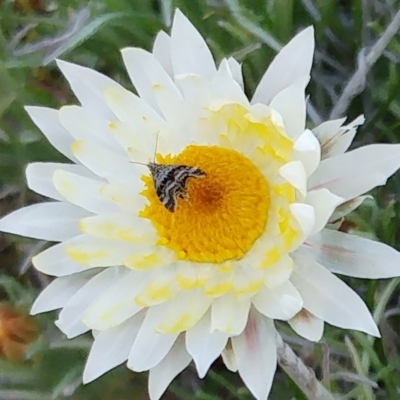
247 282
279 272
296 175
149 257
218 285
160 290
184 311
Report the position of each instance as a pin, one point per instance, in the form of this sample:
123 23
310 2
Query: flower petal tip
374 331
64 65
307 35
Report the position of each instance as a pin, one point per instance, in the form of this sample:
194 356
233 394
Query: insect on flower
170 182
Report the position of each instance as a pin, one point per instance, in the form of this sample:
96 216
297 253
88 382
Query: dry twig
303 376
358 80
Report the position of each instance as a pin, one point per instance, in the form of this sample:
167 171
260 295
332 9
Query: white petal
296 175
168 368
111 348
255 351
260 112
352 255
162 51
125 196
330 299
84 124
356 172
82 191
150 347
203 345
247 280
46 119
58 292
184 311
117 303
327 130
236 69
229 359
139 142
92 252
105 163
291 63
308 150
151 81
282 302
305 216
120 226
80 253
39 177
189 51
133 110
344 139
161 286
70 318
348 207
334 138
217 284
224 83
152 256
54 221
55 261
307 325
290 103
186 274
324 203
279 273
339 145
88 85
229 315
197 91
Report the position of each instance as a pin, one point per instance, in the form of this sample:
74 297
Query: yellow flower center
225 212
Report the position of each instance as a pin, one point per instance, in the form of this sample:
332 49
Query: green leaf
8 89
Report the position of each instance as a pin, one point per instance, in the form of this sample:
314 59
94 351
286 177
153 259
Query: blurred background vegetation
37 361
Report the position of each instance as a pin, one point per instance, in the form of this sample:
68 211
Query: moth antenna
155 150
140 163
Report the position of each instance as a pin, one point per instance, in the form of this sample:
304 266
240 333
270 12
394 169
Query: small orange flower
27 6
17 331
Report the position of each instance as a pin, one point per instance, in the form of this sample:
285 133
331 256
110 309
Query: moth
170 182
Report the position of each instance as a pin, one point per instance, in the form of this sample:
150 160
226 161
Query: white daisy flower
161 287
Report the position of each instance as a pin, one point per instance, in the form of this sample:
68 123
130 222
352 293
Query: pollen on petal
156 292
83 257
139 260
